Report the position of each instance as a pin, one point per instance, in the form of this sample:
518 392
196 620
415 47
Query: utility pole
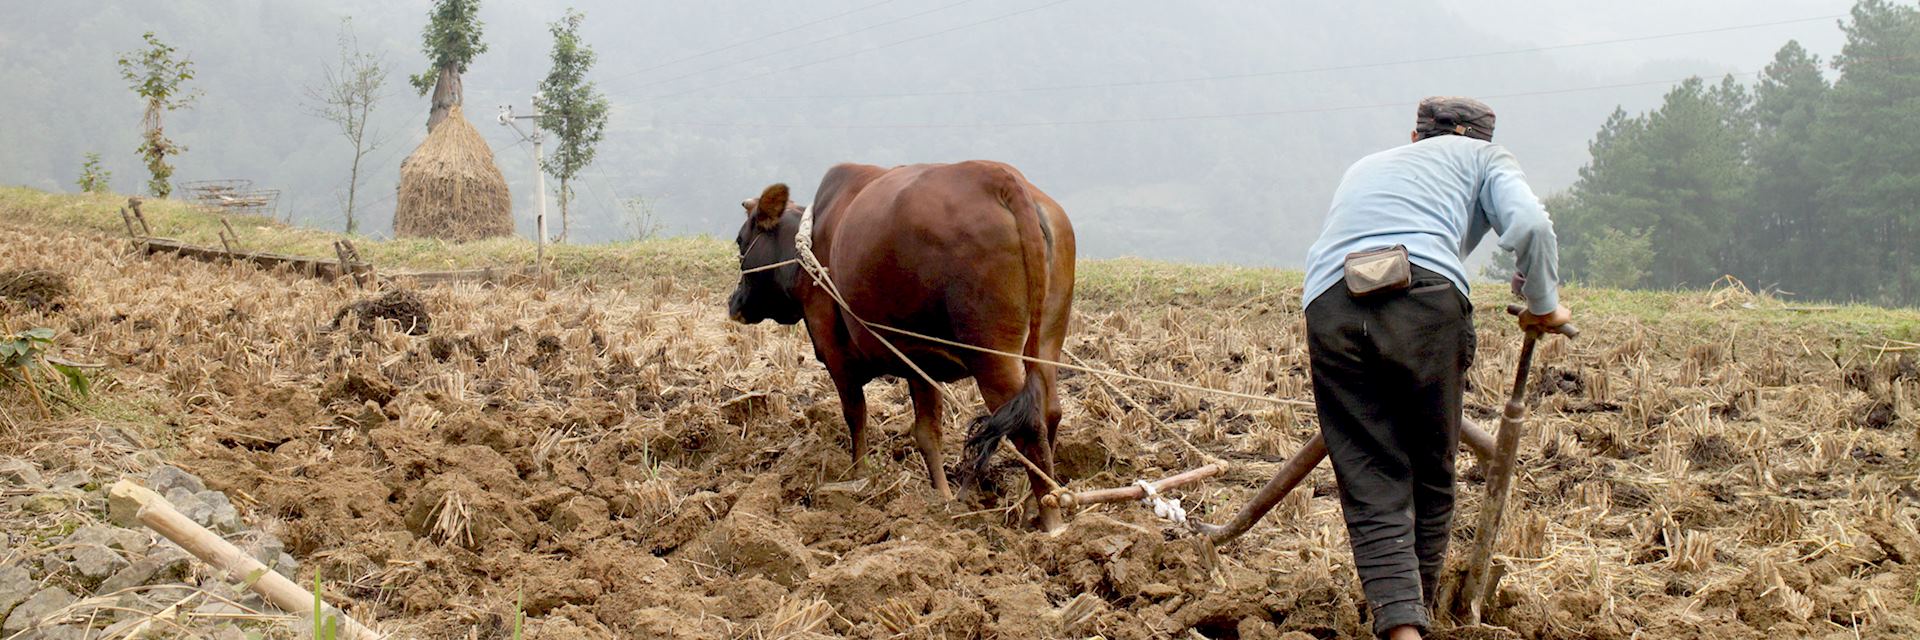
539 178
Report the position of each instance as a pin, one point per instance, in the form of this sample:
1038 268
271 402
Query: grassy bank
1109 284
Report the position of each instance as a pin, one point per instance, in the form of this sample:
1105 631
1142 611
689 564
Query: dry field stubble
626 463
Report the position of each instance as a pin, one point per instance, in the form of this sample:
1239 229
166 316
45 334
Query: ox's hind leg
926 433
853 403
1050 376
1001 381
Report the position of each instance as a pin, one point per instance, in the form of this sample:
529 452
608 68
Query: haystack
450 188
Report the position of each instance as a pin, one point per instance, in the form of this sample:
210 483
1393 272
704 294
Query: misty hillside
1230 170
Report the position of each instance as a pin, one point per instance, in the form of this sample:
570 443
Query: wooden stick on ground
145 231
347 264
229 238
148 508
127 219
353 254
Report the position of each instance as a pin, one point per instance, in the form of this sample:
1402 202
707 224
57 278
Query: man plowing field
1390 333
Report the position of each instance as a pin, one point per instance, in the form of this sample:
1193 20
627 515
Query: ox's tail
1026 411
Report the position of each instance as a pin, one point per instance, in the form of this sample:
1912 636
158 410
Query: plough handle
1295 470
1567 329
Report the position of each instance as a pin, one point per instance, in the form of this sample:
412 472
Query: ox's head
767 238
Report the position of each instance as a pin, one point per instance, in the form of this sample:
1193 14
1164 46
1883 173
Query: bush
1620 258
94 179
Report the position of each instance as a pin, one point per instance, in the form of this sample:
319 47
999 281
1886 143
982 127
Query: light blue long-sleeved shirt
1439 197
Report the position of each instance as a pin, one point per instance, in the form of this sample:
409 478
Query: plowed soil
619 461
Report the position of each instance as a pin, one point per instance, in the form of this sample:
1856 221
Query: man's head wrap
1446 115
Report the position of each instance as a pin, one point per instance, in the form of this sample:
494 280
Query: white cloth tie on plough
1168 510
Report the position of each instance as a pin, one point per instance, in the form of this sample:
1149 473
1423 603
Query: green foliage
1863 139
1502 267
94 179
1802 185
1680 169
157 74
570 107
519 612
22 348
451 40
1621 258
325 625
24 353
1780 235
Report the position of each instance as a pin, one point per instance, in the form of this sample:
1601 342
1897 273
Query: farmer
1390 334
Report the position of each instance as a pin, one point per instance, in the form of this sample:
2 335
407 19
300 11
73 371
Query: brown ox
969 252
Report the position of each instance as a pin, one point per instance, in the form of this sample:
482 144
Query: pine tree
1864 139
1675 175
1779 236
1609 195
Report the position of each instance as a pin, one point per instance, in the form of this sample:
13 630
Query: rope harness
803 244
1164 508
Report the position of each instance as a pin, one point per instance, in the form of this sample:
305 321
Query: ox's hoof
1050 521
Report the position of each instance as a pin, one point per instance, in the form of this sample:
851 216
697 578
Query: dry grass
798 618
450 188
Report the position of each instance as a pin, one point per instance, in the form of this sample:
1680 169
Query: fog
1091 99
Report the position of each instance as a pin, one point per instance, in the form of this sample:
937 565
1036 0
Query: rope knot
1147 488
1169 510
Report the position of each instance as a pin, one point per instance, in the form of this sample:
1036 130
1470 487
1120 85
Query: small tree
451 41
570 107
1620 258
346 96
643 217
94 179
157 75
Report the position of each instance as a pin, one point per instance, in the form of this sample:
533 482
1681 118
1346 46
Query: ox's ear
771 205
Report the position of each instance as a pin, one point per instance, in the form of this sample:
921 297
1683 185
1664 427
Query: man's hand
1549 323
1518 284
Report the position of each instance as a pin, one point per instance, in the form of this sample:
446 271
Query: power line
601 192
869 49
754 39
1222 116
803 45
1261 74
1175 118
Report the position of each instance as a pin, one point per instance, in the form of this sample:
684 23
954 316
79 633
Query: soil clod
401 306
38 289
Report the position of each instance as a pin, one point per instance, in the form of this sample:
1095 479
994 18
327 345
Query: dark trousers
1387 375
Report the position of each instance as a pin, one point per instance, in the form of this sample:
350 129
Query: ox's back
937 249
